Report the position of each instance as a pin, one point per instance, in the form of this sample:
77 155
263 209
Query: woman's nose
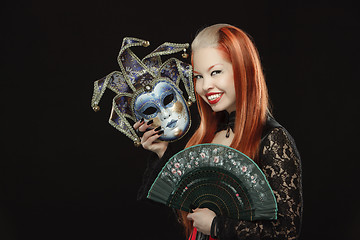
207 84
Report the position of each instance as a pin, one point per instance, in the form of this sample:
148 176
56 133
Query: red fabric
194 233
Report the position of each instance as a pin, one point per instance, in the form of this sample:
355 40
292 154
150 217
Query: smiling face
165 105
214 79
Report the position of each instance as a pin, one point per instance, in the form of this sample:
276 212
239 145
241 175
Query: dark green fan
216 177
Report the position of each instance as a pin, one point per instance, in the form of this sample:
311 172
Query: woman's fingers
150 136
190 216
202 218
142 126
145 126
138 124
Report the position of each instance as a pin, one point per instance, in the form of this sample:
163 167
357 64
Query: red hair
252 103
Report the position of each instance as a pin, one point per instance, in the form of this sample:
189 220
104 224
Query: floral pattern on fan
218 177
219 156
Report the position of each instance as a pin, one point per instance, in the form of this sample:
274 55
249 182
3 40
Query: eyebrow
211 67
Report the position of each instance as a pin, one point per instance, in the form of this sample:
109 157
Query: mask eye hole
168 99
150 110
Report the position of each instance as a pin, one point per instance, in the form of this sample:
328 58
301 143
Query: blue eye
196 77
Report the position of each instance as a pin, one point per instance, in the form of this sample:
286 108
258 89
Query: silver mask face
165 105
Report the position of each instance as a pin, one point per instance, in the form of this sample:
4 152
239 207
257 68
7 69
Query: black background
67 174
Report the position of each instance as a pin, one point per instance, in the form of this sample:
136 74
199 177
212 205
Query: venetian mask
164 104
149 89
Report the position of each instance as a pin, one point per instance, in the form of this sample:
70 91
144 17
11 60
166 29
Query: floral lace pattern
280 161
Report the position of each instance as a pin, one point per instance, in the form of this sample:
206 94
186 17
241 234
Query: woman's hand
202 218
149 139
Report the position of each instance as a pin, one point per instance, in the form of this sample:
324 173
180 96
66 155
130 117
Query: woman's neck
220 138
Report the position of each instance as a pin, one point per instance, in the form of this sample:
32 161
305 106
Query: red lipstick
212 99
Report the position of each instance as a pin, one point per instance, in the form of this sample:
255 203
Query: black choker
227 123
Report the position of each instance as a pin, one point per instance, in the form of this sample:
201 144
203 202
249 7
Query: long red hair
252 103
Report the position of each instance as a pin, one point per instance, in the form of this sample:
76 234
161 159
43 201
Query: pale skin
215 84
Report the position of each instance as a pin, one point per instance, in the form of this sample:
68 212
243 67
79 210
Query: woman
233 104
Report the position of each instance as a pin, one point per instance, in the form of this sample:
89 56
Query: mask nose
164 114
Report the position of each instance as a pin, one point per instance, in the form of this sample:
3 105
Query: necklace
227 123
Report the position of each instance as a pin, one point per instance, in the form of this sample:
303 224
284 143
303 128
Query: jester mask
149 89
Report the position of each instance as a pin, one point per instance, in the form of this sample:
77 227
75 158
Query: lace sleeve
154 166
280 161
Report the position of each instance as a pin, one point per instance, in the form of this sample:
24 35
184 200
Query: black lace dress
281 164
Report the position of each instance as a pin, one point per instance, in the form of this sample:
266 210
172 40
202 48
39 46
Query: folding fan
216 177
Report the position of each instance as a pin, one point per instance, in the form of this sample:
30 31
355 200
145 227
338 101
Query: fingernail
142 120
161 132
157 129
150 122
